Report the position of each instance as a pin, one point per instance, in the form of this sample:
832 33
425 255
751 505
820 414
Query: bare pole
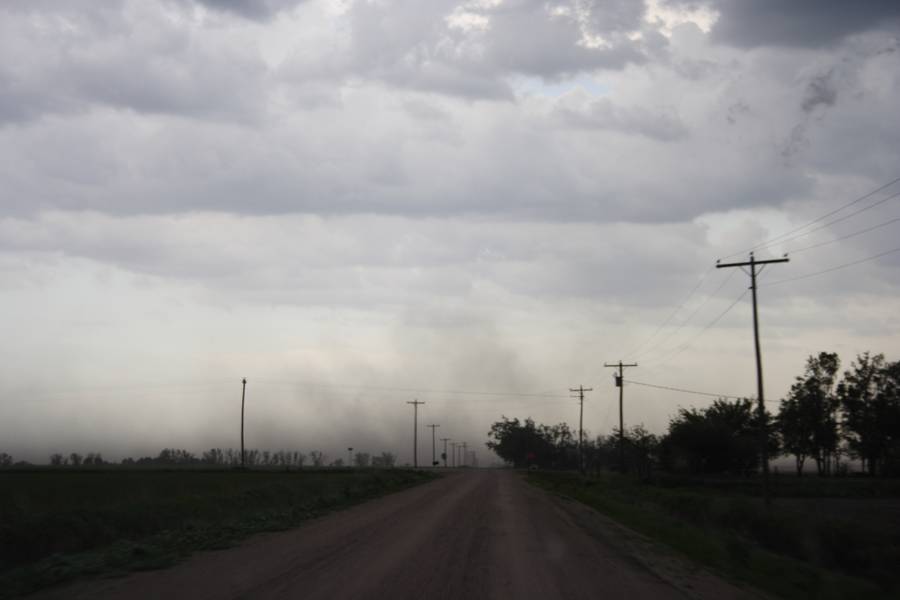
453 447
416 404
445 440
243 395
581 390
620 383
763 434
464 459
434 461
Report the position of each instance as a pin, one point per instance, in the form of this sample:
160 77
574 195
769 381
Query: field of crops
822 538
57 524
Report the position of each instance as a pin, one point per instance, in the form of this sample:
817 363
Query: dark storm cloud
821 91
470 49
251 9
797 23
57 59
602 113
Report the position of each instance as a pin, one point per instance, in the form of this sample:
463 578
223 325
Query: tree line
215 457
826 418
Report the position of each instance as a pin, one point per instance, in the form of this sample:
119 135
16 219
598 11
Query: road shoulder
694 581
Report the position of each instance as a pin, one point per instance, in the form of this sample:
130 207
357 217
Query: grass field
824 538
57 525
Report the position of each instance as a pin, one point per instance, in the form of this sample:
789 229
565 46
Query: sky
358 203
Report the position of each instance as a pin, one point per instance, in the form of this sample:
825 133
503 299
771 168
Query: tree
361 459
75 459
213 456
722 438
317 458
93 459
891 421
796 435
807 419
871 406
58 460
384 460
640 450
522 443
6 460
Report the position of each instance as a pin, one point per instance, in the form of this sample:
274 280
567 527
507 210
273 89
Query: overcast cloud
450 195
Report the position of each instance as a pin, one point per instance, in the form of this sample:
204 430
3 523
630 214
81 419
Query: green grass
789 552
56 525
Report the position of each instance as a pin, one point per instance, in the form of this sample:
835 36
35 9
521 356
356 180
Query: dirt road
479 534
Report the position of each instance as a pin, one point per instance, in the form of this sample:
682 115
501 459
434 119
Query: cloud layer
478 194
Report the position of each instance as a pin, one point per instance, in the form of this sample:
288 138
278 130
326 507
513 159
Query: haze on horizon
356 203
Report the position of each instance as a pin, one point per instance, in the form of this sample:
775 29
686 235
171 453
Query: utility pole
464 457
581 390
763 434
444 455
416 404
453 460
620 383
434 461
243 394
349 457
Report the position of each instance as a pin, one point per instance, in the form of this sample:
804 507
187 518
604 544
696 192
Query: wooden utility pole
453 446
464 459
243 395
350 457
581 390
763 434
620 383
416 404
434 461
444 455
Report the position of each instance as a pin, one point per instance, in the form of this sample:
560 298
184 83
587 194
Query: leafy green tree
386 460
807 420
641 448
891 420
317 458
722 438
871 405
361 459
523 443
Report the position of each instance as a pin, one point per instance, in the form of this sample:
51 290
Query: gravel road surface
476 534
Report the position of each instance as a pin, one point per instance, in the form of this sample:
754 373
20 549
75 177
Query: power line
415 404
830 223
844 237
678 350
814 221
760 393
683 391
434 462
673 313
621 366
581 390
409 390
691 316
243 395
444 455
832 269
